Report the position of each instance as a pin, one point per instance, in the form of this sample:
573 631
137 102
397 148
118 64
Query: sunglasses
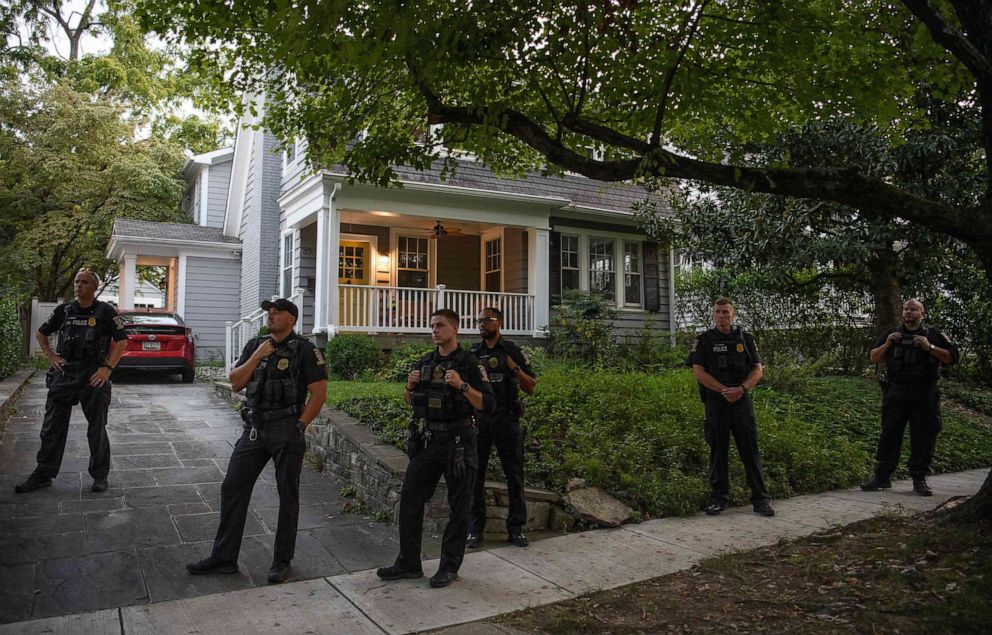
481 321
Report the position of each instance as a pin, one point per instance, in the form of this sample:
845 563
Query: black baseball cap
282 304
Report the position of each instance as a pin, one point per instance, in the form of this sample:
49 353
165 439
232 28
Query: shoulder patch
119 321
695 344
319 356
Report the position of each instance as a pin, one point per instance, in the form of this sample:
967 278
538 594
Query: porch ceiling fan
439 230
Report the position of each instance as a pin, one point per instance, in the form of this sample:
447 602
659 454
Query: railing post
228 346
440 297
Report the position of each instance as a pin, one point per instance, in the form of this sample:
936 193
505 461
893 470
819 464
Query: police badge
493 362
283 364
740 348
91 321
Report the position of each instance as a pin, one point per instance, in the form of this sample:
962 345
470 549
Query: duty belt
448 426
273 415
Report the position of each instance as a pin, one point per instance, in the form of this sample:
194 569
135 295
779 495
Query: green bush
581 329
351 356
385 415
401 360
11 355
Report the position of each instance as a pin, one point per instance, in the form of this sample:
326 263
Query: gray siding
219 183
515 260
211 300
260 224
458 264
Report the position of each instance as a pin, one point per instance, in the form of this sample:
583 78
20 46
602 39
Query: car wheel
189 376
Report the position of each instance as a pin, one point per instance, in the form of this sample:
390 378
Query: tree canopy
657 89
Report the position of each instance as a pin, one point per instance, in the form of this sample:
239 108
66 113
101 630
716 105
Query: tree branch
952 39
659 116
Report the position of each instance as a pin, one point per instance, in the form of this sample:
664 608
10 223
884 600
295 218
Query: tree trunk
976 508
886 293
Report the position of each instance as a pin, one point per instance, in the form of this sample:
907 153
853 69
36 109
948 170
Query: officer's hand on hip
54 360
453 379
100 377
412 379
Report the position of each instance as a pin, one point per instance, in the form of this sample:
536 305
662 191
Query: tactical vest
907 363
80 340
727 356
436 401
505 385
273 385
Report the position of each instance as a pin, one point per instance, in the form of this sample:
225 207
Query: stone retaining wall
346 448
10 388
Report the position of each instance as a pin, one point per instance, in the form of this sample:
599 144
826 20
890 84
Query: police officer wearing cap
445 388
79 373
726 364
278 371
509 373
913 353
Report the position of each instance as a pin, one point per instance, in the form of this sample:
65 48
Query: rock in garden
594 504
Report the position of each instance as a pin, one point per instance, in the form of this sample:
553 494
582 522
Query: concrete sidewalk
504 579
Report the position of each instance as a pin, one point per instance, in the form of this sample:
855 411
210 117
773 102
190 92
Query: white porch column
538 254
326 284
181 286
129 276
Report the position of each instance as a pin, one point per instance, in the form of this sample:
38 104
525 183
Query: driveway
66 550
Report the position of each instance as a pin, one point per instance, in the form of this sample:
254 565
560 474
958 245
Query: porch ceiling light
439 230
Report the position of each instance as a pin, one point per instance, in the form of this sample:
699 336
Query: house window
411 262
631 273
569 262
287 265
351 264
602 268
290 148
494 264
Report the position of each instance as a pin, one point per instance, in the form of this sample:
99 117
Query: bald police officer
913 353
726 364
80 373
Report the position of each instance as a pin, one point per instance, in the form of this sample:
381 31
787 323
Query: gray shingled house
364 259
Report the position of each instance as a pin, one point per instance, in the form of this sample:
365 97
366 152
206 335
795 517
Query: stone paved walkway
65 550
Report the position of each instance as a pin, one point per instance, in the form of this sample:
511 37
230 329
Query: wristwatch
931 347
464 387
302 427
111 368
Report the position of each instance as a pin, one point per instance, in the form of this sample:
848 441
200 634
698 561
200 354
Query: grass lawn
639 436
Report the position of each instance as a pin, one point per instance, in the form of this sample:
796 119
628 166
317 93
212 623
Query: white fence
39 313
369 309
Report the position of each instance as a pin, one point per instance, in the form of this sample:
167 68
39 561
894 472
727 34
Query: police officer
277 370
445 389
79 373
726 364
509 372
913 353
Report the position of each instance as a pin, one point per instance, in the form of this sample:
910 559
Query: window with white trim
570 273
631 273
287 266
412 269
602 268
494 264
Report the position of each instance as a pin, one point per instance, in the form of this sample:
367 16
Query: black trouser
722 420
68 388
509 441
419 483
285 445
920 406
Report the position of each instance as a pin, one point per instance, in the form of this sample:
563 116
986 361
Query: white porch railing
238 333
370 309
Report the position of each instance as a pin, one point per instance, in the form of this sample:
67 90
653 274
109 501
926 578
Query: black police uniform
910 394
729 359
502 429
449 436
84 343
276 395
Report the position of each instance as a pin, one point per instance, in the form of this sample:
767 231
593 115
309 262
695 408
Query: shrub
11 354
581 328
401 360
350 356
387 416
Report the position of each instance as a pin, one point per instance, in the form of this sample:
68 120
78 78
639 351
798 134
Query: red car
158 341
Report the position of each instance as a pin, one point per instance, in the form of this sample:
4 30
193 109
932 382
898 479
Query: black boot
920 486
